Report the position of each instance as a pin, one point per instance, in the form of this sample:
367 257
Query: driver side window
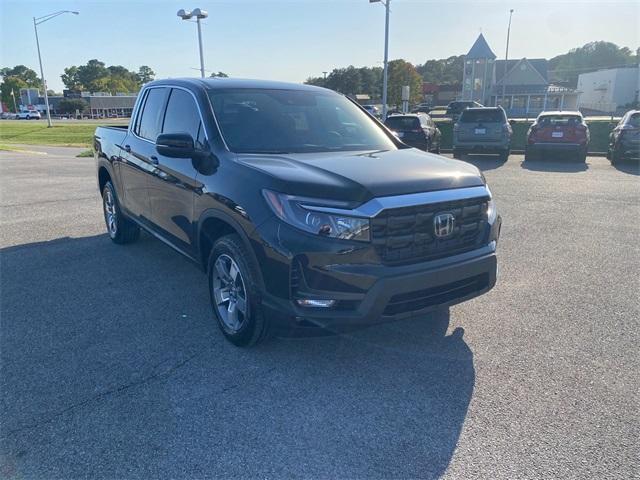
182 116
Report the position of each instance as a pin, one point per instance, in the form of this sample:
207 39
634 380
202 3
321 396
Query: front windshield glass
294 121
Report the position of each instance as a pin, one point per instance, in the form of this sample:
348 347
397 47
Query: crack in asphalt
150 378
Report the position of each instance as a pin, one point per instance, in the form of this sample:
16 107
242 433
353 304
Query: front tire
121 230
234 288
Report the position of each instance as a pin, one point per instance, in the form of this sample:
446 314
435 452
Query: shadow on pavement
553 165
112 367
485 162
630 167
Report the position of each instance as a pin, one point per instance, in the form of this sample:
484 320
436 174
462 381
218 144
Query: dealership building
98 104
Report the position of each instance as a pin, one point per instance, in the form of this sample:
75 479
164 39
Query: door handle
127 148
154 160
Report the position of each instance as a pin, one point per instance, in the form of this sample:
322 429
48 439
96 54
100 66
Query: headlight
491 211
300 213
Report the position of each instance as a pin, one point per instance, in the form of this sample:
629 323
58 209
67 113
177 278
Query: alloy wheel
110 214
229 293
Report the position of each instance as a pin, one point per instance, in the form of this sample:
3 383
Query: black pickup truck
303 209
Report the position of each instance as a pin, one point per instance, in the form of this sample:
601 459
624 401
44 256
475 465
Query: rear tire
504 156
616 157
234 288
121 230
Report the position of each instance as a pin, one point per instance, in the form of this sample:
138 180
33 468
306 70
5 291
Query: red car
558 132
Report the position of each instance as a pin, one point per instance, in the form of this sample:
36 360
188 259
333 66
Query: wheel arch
214 224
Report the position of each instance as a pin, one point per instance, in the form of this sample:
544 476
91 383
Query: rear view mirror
177 145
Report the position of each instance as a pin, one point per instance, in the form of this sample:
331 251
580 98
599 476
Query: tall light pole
386 56
199 14
506 58
36 22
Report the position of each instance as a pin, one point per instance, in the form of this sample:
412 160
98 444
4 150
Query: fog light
311 302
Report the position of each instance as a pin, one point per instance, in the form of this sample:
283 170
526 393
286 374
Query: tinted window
151 118
634 120
402 123
482 116
268 121
559 120
182 114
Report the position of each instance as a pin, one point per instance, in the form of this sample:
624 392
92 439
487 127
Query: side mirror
512 122
176 145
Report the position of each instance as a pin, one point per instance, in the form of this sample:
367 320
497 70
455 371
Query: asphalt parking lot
112 366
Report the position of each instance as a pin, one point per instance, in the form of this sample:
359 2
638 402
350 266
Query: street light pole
199 14
385 74
506 58
36 22
200 45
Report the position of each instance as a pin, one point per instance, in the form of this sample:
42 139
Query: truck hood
359 176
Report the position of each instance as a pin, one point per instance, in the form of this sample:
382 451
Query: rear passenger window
151 117
182 114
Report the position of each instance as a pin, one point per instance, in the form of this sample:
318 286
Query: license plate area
557 134
480 131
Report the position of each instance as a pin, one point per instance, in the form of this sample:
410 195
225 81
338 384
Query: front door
173 182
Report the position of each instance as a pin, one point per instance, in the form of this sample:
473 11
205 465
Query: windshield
402 123
294 121
559 120
634 120
482 116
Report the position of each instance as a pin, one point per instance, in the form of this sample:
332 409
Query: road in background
112 366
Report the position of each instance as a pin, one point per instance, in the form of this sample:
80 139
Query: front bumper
366 291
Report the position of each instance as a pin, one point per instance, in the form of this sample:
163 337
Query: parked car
482 130
454 109
624 140
29 115
554 132
417 130
438 112
421 108
301 208
372 109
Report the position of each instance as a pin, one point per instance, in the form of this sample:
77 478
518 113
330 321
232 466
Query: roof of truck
221 82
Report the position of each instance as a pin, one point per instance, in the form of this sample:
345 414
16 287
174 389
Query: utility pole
385 74
506 58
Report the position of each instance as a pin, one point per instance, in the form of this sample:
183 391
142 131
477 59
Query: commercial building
608 91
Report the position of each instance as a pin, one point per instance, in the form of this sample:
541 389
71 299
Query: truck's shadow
555 164
125 334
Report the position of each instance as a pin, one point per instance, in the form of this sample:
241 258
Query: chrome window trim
374 206
139 110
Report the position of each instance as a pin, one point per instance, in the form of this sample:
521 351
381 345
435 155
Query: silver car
482 130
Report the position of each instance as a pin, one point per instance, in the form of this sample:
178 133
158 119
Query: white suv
28 115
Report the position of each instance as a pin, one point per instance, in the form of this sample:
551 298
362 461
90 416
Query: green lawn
63 133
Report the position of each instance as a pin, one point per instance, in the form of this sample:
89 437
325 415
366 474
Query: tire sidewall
109 187
251 330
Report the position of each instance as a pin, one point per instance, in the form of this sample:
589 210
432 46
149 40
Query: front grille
420 299
406 235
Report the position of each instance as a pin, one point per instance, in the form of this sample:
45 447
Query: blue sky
291 40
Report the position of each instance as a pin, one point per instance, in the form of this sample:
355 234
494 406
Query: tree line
563 69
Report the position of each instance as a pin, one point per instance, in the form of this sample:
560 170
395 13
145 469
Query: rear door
173 181
408 128
560 129
481 125
138 152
